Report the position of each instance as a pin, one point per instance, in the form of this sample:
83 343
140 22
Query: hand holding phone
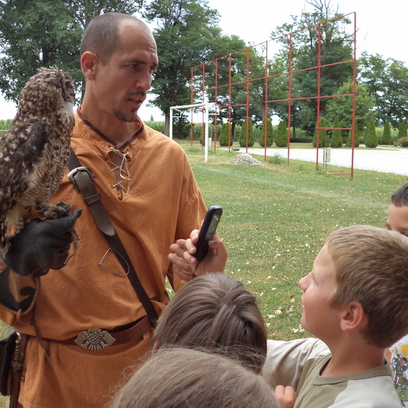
207 231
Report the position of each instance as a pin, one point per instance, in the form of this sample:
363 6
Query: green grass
276 218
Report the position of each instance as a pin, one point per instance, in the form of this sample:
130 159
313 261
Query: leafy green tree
223 137
371 139
350 138
386 137
269 136
243 135
336 138
187 34
342 106
46 33
324 138
402 129
282 134
335 45
387 81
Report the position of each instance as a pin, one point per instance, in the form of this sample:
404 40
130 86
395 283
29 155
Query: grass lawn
276 218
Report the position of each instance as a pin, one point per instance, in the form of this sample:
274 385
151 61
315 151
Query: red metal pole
318 93
290 92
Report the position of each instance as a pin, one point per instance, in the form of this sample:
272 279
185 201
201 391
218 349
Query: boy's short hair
400 196
215 312
186 378
371 267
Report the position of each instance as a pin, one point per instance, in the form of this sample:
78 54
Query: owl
34 152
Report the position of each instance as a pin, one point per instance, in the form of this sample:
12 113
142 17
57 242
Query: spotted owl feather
35 151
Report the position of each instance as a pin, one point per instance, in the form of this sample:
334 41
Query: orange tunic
162 205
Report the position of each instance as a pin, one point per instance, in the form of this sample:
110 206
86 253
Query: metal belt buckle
74 172
94 339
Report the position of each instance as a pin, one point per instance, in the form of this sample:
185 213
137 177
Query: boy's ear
353 317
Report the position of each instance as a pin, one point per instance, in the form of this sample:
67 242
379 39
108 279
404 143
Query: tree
402 129
342 106
335 46
223 138
349 141
44 33
269 140
387 82
386 138
336 138
282 134
324 139
187 34
371 139
243 141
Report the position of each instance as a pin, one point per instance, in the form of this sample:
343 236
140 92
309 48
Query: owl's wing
20 150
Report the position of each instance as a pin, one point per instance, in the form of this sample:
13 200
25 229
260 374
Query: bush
336 139
402 129
223 136
386 136
282 134
324 140
371 139
403 141
269 141
242 136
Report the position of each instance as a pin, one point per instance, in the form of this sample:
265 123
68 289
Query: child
215 312
187 378
355 301
398 353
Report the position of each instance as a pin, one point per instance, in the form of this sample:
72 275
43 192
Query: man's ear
353 317
89 63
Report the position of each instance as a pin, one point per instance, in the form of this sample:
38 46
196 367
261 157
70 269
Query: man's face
120 86
318 315
398 219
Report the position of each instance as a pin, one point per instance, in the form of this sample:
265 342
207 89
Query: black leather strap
83 181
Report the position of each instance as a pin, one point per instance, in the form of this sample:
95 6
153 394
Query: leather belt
99 339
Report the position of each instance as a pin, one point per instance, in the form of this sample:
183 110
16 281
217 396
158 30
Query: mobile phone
207 231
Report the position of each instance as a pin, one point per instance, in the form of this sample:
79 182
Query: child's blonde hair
371 267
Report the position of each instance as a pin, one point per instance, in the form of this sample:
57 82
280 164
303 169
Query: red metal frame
203 89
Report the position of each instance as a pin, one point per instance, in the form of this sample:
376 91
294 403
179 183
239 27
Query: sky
381 29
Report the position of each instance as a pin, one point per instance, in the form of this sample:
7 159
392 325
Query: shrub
336 139
324 140
242 136
386 136
371 139
223 136
269 140
282 134
402 129
356 137
403 141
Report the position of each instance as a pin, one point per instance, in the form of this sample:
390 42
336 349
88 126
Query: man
149 191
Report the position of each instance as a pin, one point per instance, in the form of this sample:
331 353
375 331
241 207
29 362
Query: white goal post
206 107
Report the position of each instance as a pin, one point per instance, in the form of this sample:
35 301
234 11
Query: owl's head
50 91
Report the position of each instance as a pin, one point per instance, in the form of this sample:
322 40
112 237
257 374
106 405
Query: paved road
385 160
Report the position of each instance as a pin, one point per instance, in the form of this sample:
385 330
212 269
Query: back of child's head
215 312
187 378
371 268
400 196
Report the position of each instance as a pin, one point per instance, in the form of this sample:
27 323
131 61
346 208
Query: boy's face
398 219
318 316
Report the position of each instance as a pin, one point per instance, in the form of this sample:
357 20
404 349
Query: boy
355 302
398 353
